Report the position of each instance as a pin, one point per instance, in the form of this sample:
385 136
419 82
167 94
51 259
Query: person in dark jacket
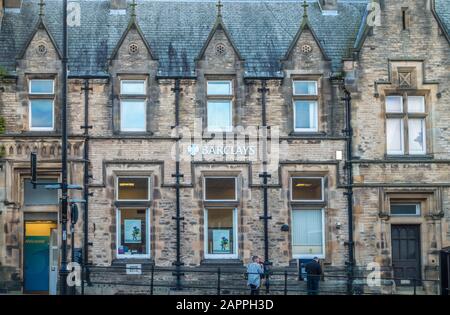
313 273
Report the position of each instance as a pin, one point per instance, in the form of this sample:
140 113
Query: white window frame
418 209
34 93
235 255
316 118
30 119
314 177
316 91
424 137
402 104
133 176
143 81
122 129
219 129
402 138
309 256
224 200
230 82
119 231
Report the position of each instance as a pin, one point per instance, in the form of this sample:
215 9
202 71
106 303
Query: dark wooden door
406 253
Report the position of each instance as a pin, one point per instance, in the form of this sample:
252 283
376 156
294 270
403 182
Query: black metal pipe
86 128
263 90
64 196
349 193
178 263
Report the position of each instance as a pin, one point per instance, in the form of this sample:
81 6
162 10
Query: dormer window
133 106
41 105
306 117
220 106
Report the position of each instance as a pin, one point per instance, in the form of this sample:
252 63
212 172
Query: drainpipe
178 263
349 193
64 189
264 175
86 193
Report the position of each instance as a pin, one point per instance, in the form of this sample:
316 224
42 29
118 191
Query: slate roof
177 30
443 11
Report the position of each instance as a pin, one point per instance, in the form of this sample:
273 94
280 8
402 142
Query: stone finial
305 9
219 6
133 8
41 5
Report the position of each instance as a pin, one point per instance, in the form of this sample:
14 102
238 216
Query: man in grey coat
254 271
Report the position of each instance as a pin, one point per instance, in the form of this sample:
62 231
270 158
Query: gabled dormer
219 50
133 67
40 49
133 45
306 49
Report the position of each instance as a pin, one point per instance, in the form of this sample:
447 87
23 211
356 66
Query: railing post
218 281
414 283
151 279
285 282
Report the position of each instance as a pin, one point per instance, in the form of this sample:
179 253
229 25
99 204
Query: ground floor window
133 230
221 233
308 238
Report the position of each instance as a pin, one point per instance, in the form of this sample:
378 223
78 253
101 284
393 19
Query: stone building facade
222 95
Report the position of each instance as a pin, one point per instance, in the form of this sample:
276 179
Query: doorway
40 257
406 254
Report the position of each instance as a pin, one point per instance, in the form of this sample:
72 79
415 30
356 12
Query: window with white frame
219 106
220 189
405 209
307 189
405 124
133 106
133 233
308 233
221 233
133 222
41 105
306 111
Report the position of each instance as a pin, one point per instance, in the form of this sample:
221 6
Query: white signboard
134 269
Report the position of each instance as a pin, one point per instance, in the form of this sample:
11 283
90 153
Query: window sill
132 203
129 260
307 134
133 134
221 262
409 157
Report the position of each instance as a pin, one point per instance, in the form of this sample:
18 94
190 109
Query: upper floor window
306 114
136 188
133 106
220 189
41 105
307 189
220 106
405 124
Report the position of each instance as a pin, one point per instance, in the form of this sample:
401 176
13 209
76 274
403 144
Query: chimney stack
12 4
329 7
118 7
118 4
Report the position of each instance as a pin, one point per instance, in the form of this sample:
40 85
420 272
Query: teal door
36 262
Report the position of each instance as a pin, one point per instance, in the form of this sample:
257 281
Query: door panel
406 253
36 261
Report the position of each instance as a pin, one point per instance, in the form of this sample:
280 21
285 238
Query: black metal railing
150 279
